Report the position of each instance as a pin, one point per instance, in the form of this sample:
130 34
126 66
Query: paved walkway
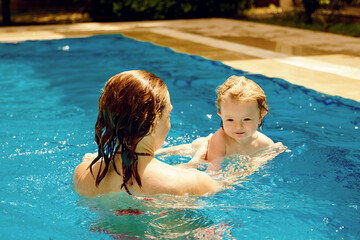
328 63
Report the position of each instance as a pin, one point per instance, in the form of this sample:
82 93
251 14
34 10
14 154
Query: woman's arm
184 149
202 145
205 184
199 148
195 182
266 154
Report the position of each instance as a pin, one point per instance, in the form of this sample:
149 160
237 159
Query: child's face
240 118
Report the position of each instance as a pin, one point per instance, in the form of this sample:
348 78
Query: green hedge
129 10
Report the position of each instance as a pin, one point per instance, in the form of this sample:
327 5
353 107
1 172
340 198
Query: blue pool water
48 107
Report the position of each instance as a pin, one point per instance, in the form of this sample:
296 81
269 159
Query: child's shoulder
264 141
216 147
219 135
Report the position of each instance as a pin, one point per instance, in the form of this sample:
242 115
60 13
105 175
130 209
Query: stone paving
326 62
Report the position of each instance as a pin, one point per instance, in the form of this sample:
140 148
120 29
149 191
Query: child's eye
229 120
247 119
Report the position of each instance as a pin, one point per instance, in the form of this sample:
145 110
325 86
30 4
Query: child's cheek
228 125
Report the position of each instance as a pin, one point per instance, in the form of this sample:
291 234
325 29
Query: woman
133 121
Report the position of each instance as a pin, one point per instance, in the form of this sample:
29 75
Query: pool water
48 107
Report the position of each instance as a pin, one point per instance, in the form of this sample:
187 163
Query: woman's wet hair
129 106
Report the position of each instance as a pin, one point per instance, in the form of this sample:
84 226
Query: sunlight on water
168 216
48 110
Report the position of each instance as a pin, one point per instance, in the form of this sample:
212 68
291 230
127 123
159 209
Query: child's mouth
239 133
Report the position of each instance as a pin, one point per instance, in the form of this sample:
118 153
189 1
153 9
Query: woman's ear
153 129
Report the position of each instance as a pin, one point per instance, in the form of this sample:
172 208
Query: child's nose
238 124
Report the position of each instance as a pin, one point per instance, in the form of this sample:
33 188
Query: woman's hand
186 149
201 146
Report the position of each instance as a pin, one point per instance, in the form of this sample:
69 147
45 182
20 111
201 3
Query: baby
242 106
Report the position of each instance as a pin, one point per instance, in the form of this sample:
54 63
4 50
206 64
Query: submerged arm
256 160
266 154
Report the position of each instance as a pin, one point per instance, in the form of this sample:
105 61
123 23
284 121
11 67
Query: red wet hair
128 107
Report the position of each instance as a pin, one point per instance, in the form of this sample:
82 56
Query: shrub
128 10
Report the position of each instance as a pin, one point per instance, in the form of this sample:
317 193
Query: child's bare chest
233 147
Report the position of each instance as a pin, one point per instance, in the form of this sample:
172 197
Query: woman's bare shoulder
83 168
83 180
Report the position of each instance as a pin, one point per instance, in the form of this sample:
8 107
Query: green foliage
298 20
127 10
352 29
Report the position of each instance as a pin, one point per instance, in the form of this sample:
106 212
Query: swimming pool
48 110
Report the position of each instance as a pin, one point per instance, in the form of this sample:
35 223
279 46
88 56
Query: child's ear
219 113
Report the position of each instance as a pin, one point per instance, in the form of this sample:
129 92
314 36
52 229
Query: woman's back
157 178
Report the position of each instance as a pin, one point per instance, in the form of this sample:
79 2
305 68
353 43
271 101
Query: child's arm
216 151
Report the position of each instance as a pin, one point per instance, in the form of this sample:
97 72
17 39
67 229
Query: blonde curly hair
241 89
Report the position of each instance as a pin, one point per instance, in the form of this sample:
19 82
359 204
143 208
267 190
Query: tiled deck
325 62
